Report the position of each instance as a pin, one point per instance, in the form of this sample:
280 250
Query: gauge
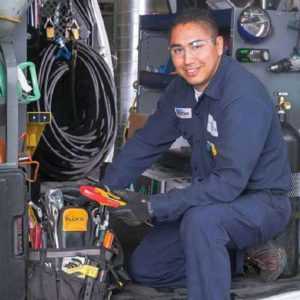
254 24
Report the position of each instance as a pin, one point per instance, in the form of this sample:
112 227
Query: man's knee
157 272
144 269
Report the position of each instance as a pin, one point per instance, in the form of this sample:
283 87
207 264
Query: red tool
36 236
101 196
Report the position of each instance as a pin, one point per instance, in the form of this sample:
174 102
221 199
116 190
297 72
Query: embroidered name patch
183 112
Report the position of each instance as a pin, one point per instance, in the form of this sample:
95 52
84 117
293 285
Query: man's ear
220 45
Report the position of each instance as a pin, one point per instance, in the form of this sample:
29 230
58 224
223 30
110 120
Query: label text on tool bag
75 219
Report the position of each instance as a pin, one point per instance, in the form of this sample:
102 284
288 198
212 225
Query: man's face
195 53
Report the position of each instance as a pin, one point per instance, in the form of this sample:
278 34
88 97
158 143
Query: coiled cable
72 151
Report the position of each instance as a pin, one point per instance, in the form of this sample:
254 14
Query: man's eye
177 50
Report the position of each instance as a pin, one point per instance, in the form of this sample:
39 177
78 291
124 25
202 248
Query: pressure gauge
254 24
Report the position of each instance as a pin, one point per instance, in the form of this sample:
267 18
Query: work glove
136 211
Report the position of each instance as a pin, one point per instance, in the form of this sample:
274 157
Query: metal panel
148 99
281 45
153 50
126 36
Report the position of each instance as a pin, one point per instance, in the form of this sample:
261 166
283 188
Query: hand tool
35 226
55 204
102 197
289 64
37 209
55 216
100 217
36 232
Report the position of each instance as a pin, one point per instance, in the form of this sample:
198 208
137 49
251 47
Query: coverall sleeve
144 147
243 132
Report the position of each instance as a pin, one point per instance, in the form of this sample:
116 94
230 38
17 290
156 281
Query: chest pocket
186 129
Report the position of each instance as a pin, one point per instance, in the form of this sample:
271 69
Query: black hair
197 16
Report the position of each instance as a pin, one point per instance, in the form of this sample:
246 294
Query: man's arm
144 147
243 132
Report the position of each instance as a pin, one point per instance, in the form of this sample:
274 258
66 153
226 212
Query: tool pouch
47 284
48 281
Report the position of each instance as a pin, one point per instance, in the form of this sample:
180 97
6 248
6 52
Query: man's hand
136 211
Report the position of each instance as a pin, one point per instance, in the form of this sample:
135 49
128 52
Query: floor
244 288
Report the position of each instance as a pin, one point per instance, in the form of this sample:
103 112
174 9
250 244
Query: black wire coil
70 151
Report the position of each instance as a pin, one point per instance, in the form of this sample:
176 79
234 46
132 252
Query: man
240 169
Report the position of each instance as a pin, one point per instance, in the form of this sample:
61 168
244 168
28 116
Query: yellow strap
11 19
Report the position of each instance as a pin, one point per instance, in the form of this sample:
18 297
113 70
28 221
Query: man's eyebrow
175 45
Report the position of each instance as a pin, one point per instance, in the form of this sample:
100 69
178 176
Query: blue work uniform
240 173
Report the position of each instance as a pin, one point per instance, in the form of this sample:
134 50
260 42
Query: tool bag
79 274
75 255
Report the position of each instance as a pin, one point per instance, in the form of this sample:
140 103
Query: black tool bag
75 254
49 278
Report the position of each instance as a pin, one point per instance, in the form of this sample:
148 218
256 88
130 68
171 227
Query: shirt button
195 169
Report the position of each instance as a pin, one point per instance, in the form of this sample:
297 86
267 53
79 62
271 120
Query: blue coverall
240 172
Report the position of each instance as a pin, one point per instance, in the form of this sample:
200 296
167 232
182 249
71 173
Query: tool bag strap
42 254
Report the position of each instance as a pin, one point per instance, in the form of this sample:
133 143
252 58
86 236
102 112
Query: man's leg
206 234
158 261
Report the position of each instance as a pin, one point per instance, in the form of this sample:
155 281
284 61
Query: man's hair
197 16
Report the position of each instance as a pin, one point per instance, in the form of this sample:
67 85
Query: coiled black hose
71 151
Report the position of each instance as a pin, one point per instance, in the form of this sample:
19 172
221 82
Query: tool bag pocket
70 287
41 283
48 281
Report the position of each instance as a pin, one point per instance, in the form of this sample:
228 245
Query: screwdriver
101 196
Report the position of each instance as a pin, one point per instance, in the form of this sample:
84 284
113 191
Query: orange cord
27 161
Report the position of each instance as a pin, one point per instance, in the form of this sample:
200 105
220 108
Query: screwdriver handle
101 196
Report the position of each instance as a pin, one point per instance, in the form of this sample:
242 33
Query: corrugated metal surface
126 40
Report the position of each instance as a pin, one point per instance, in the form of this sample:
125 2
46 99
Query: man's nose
188 56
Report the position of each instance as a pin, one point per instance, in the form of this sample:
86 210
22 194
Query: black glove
137 210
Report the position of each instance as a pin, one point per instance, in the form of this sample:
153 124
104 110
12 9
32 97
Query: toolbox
13 232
